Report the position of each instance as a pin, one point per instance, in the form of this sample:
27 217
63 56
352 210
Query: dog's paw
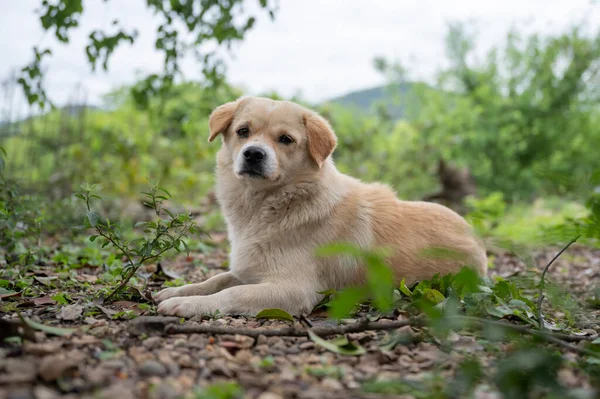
167 293
186 307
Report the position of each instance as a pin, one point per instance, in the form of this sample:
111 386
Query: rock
269 395
70 312
164 391
20 393
120 391
152 342
57 366
152 368
113 364
43 392
41 349
331 384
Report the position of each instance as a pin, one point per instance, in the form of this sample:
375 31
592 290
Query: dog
282 198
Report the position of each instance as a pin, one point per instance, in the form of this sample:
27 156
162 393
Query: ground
106 358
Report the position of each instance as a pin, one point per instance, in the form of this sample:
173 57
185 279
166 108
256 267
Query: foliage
208 22
20 220
519 118
162 235
379 279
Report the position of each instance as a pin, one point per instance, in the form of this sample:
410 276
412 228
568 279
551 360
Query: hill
368 99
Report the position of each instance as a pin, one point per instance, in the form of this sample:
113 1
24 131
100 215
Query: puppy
282 198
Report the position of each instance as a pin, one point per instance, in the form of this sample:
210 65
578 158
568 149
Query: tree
202 22
523 119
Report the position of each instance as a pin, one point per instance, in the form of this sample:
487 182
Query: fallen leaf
107 311
167 273
341 346
5 293
47 281
44 300
70 312
277 314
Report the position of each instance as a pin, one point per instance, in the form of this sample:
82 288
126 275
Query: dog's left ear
321 138
221 118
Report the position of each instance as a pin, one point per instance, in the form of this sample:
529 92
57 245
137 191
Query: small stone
113 364
332 384
306 345
152 342
269 395
20 393
152 368
43 392
164 391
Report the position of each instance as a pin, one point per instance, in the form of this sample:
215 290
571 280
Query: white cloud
322 48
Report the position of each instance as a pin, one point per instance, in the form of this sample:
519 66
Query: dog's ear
321 138
220 119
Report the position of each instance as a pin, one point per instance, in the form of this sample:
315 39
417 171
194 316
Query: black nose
254 155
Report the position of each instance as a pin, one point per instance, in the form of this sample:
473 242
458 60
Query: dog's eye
285 139
243 132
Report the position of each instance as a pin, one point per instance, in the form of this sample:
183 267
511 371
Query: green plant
162 235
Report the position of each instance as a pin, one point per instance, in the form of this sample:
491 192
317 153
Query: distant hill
366 100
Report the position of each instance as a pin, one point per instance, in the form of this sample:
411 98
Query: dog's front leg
244 300
212 285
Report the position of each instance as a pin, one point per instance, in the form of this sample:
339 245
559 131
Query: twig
543 284
559 339
293 331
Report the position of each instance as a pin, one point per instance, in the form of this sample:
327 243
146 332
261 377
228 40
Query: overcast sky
320 48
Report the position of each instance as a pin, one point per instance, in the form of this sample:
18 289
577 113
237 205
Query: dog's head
271 142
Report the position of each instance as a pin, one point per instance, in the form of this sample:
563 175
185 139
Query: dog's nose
254 155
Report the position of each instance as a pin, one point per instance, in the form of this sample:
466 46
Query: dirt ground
105 360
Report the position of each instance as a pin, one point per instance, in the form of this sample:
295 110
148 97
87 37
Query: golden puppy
282 197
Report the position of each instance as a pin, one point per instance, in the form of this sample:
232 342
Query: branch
559 339
293 331
543 284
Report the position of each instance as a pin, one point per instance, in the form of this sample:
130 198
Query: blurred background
490 109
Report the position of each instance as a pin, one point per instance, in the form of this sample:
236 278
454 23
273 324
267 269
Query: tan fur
275 224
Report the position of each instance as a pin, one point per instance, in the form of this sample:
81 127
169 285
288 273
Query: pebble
20 393
152 342
332 384
152 368
114 364
164 391
269 395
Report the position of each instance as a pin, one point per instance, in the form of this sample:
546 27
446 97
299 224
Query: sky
316 48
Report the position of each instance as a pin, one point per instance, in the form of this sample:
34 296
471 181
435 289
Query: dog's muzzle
254 160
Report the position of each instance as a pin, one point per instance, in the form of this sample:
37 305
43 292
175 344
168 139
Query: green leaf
61 332
346 301
596 341
381 284
341 347
404 289
433 296
92 218
93 238
276 314
61 298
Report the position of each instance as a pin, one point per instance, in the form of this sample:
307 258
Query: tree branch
292 331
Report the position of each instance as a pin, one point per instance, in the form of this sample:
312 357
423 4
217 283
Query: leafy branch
162 234
208 21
